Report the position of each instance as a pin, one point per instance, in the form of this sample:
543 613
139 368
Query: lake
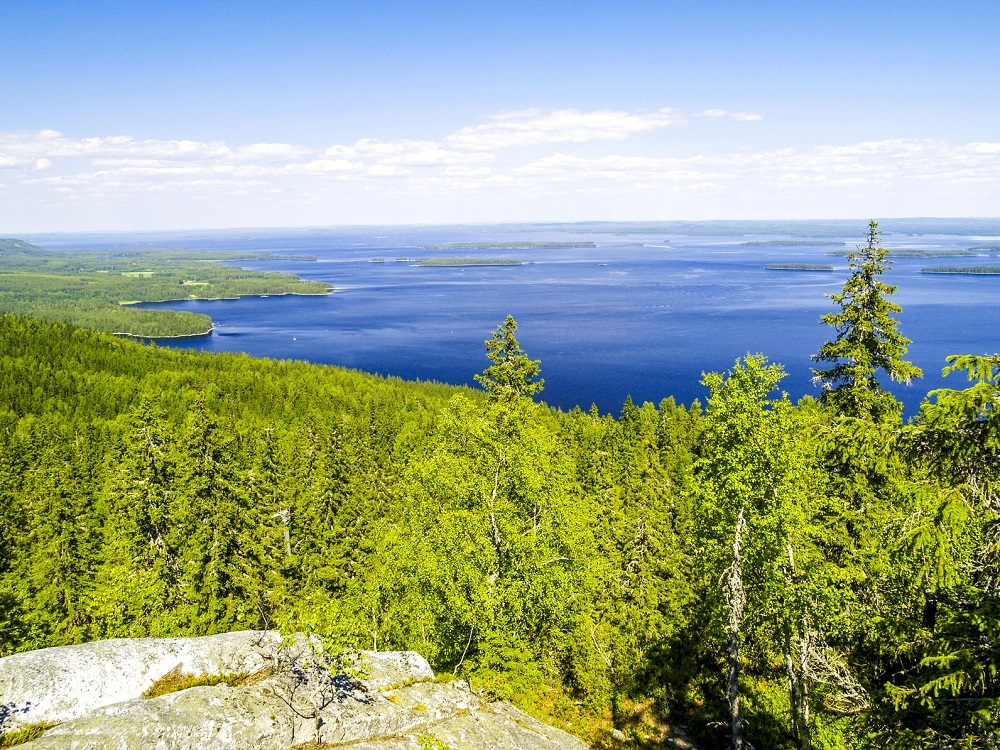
641 313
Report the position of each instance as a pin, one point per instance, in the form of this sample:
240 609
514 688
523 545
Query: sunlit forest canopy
741 571
96 288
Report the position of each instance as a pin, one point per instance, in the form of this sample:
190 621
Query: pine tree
867 341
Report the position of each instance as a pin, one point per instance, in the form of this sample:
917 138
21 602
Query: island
100 288
514 245
468 262
917 252
797 267
965 270
792 243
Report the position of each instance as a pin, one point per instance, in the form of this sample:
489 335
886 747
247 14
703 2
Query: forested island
791 243
970 270
797 267
510 246
468 262
918 252
98 288
738 570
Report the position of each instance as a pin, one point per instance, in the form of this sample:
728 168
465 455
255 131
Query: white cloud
387 170
385 175
270 151
408 152
51 143
894 162
9 160
463 171
715 114
535 126
333 165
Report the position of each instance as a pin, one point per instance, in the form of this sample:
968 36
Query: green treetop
512 373
867 340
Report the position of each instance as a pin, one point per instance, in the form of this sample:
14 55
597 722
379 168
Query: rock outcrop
298 694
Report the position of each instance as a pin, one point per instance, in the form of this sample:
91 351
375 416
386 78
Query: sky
189 115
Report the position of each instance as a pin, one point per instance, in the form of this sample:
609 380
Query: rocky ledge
272 694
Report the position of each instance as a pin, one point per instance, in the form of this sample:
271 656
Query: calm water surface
641 315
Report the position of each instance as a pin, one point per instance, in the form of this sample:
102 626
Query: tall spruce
867 341
512 373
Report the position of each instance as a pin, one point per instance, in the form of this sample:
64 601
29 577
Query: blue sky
183 115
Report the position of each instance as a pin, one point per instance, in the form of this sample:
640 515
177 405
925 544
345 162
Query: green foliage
97 289
950 693
512 374
564 560
867 341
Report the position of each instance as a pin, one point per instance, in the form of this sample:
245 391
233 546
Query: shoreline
211 328
200 334
239 296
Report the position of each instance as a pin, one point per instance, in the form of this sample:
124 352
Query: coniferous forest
747 570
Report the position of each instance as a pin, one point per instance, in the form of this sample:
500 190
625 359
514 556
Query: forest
743 571
97 288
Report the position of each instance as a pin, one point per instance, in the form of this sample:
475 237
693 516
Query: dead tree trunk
736 599
797 638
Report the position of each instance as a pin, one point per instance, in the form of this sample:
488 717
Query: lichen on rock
305 695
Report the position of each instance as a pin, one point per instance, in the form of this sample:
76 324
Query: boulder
65 682
300 695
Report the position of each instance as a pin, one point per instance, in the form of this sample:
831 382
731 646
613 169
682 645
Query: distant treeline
914 252
971 270
791 243
797 267
468 262
509 245
98 288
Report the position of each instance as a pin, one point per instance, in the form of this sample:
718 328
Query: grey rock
392 702
66 682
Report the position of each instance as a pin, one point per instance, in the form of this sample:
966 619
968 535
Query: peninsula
100 289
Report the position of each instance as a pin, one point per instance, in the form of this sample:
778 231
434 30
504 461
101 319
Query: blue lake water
641 315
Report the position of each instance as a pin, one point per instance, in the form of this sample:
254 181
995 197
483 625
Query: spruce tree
867 340
512 373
